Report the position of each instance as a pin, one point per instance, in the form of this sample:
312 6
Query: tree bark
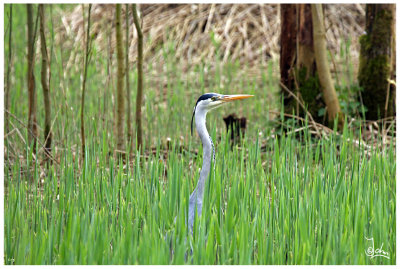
8 83
306 76
120 80
375 61
128 88
297 63
109 85
86 60
139 96
325 78
306 41
45 85
32 122
391 95
288 47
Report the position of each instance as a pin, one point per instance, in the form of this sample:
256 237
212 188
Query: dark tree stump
237 127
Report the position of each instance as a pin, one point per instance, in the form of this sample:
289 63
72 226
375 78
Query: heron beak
230 98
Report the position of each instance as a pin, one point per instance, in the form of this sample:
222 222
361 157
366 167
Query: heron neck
200 120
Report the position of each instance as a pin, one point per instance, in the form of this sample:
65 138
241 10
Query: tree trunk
8 83
288 49
45 85
86 60
306 68
128 89
120 81
375 61
139 96
297 65
109 84
391 94
305 40
32 122
325 78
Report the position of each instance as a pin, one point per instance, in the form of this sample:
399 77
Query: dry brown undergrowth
249 33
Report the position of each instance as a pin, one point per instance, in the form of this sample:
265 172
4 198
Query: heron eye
214 98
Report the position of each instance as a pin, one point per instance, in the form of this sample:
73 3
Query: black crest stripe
201 98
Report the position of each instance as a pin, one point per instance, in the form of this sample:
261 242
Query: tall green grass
290 203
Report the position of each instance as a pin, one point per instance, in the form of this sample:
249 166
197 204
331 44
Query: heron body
205 103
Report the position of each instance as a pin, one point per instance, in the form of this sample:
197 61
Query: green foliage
310 90
350 101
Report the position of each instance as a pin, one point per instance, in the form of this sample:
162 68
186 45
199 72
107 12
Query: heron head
209 101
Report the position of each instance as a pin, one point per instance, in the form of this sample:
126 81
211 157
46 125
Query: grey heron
205 103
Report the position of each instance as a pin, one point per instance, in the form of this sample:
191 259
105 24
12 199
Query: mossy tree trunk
298 66
120 80
375 61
